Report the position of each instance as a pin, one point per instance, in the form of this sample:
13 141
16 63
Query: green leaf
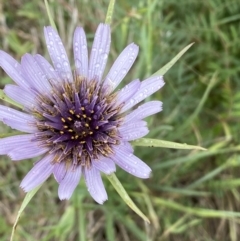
7 99
169 65
165 144
25 202
121 191
49 14
109 15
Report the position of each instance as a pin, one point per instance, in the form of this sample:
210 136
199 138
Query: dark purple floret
80 121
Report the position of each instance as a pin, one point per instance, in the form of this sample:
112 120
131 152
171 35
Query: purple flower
75 119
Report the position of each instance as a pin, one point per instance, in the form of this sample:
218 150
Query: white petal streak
147 88
57 53
105 165
100 51
38 174
133 131
69 182
80 51
13 69
95 185
21 95
144 111
121 66
130 163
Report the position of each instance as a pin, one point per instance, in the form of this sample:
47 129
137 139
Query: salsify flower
76 120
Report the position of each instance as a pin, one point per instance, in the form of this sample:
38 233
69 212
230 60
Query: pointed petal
80 52
128 91
17 120
121 66
95 185
20 125
134 130
38 174
105 165
47 68
13 69
69 182
58 53
59 171
130 163
148 87
26 98
34 75
100 51
12 142
144 111
25 152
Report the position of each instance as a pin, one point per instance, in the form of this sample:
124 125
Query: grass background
192 195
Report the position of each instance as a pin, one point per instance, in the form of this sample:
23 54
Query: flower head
76 120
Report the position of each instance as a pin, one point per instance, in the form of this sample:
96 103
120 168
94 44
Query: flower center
79 121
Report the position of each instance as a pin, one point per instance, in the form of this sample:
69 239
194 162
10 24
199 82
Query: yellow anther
69 118
70 130
61 132
84 116
71 111
63 120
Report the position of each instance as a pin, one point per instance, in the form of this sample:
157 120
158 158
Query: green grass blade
7 99
49 14
110 10
169 65
201 212
121 191
25 202
165 144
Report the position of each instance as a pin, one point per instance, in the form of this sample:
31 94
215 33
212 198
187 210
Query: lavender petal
38 174
34 75
130 163
121 66
25 152
144 111
148 87
59 171
105 165
26 98
58 53
128 91
17 120
95 185
100 51
134 130
47 68
13 69
10 143
80 52
69 182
